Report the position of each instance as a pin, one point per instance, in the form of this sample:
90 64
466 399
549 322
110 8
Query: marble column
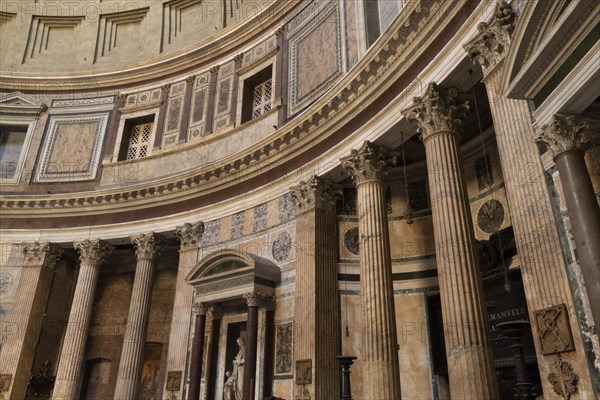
253 300
379 354
538 242
212 358
26 316
200 309
269 362
438 116
190 237
71 361
563 136
316 295
130 367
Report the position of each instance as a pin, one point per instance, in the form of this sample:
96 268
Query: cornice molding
381 66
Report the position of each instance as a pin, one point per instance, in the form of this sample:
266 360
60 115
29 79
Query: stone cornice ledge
376 71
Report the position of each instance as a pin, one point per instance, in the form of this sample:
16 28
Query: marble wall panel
260 218
71 149
237 225
199 106
212 232
316 54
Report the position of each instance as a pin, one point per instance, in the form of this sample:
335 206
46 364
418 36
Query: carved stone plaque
5 382
553 329
174 381
303 372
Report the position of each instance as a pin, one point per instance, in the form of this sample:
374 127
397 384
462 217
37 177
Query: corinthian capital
92 251
190 235
201 308
439 110
491 43
41 254
147 245
563 133
315 193
254 299
369 163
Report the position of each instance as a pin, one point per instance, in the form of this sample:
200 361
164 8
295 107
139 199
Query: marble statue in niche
235 379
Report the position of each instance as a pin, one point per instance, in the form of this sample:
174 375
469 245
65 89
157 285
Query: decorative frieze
314 193
369 163
438 110
41 253
190 235
491 44
147 245
92 251
563 133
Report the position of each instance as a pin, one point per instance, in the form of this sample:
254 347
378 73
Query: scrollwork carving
563 133
314 193
490 45
438 110
369 163
92 251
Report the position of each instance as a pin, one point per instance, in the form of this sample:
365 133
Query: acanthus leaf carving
563 133
369 163
489 47
314 193
190 235
147 245
201 308
254 299
92 251
438 110
41 253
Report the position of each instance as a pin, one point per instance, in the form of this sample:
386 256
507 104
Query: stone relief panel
237 225
120 33
72 147
313 33
260 217
52 37
212 232
259 52
283 350
142 98
554 330
199 107
287 208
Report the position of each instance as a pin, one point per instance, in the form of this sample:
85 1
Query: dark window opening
258 94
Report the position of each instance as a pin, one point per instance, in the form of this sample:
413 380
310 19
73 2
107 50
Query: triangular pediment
17 103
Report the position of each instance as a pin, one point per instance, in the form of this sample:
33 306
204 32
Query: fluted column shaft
253 300
538 242
379 354
134 342
269 365
71 361
438 114
190 236
316 295
470 361
29 306
197 350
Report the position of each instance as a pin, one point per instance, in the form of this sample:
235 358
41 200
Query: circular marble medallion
490 216
282 246
351 240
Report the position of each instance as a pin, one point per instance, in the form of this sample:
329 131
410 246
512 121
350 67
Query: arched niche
229 274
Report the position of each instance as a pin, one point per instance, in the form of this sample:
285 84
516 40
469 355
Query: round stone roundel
351 240
490 216
282 246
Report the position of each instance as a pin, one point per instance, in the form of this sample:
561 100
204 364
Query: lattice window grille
139 142
261 102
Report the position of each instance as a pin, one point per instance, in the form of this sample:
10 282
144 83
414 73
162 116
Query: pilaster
316 295
18 351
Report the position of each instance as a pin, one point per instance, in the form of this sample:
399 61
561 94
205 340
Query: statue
234 385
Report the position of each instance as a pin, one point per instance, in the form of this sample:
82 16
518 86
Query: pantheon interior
299 199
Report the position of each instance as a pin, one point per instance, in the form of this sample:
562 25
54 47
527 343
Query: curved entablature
386 71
